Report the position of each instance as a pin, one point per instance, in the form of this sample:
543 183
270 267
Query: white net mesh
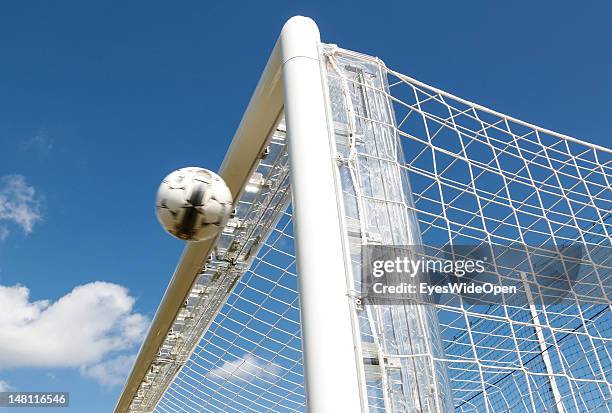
249 356
479 177
476 176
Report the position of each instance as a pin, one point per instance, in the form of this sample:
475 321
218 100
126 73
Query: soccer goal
335 153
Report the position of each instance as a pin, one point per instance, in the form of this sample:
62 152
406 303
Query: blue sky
98 102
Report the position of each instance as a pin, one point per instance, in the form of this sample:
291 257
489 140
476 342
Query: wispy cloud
4 386
112 372
19 203
88 328
246 368
41 143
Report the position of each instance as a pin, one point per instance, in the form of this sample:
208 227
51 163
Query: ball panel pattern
193 204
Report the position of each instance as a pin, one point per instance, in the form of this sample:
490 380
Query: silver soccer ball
193 204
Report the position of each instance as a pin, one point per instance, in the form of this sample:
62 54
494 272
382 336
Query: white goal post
337 152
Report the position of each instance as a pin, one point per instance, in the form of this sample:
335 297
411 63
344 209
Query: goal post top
299 38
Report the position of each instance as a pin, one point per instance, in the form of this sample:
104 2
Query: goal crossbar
247 145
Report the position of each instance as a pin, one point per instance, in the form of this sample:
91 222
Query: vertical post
331 373
543 347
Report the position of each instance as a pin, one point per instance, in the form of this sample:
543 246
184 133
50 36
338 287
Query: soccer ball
193 204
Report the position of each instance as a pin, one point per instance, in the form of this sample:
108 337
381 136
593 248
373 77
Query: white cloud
4 386
4 233
81 329
18 202
245 368
112 372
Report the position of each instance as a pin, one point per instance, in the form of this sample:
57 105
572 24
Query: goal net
249 325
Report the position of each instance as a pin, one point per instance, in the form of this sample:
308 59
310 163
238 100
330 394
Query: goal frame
332 127
292 82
